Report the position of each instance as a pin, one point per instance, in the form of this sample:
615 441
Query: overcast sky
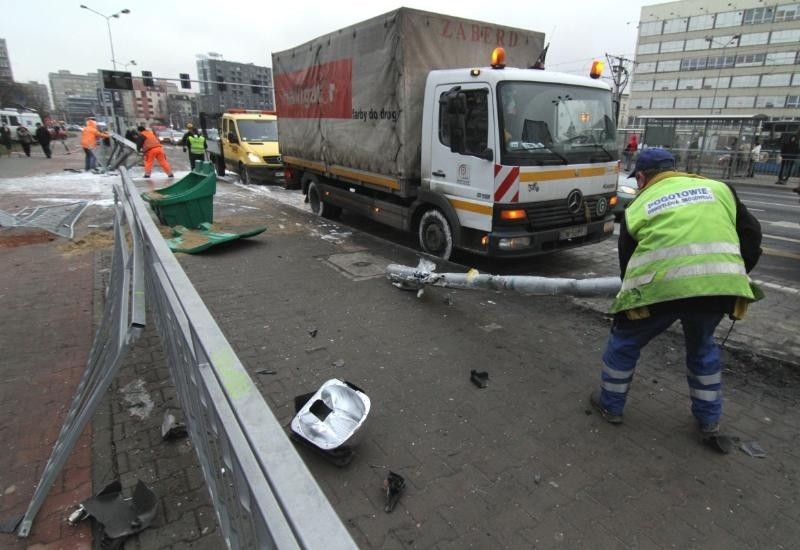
165 37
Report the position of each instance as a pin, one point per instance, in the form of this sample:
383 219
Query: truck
419 121
14 118
245 141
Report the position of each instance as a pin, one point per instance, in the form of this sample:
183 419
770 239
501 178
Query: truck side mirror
487 154
232 137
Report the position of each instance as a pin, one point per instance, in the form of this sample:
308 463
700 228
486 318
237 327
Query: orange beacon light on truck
498 58
597 69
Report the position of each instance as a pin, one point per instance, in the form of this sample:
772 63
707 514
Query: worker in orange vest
152 150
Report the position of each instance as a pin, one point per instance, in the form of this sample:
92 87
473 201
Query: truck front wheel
318 206
435 234
244 174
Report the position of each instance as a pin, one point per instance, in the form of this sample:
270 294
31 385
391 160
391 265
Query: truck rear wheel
318 205
435 234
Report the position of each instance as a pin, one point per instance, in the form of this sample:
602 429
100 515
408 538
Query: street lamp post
710 41
125 65
111 43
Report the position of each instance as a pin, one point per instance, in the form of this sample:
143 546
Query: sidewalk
523 463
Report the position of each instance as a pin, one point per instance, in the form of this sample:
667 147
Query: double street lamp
108 24
711 42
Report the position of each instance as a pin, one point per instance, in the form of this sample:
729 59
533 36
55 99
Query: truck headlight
252 157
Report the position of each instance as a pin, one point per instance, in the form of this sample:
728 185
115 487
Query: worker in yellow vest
152 150
197 145
686 245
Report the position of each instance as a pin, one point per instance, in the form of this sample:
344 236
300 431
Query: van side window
13 121
476 122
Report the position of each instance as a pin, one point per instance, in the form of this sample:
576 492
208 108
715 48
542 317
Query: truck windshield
258 130
543 124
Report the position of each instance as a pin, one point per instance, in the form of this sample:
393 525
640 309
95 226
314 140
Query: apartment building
248 86
6 75
707 57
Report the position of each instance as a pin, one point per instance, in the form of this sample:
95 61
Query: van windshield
258 130
545 124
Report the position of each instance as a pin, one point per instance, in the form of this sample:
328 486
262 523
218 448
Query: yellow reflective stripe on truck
478 208
310 164
365 177
566 173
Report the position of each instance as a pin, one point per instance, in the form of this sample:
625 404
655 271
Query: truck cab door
463 147
230 149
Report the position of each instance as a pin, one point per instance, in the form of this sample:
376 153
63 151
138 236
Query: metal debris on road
415 278
120 517
171 428
754 449
479 378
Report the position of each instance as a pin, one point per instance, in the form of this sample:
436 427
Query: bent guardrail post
122 321
261 490
415 278
122 149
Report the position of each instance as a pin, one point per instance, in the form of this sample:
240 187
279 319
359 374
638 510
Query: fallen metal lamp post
415 278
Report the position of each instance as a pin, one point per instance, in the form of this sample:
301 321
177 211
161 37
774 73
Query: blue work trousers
702 360
91 160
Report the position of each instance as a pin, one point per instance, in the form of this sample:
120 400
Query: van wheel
244 175
435 234
319 206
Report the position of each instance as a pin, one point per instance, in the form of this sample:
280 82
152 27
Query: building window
722 82
719 102
642 85
747 81
757 16
673 46
750 60
780 37
669 66
793 101
741 102
640 103
721 62
784 79
662 85
687 102
690 84
754 39
787 13
726 41
796 79
663 102
650 28
646 68
643 49
770 101
675 25
696 64
701 22
696 44
780 58
728 19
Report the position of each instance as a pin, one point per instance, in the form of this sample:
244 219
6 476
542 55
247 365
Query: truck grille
552 214
273 160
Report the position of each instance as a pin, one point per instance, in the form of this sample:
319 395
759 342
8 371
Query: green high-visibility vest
196 144
687 245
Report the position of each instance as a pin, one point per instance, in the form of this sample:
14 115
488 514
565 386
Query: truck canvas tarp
353 98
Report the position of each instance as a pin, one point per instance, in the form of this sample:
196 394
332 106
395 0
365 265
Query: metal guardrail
261 490
123 153
122 322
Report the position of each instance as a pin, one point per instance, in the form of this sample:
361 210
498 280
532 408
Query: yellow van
249 142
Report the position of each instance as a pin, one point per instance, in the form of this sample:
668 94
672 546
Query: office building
5 63
64 85
705 57
248 86
148 104
37 96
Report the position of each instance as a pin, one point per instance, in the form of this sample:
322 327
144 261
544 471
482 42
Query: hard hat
190 126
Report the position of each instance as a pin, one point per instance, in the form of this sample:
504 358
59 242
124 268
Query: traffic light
117 80
147 77
186 83
221 86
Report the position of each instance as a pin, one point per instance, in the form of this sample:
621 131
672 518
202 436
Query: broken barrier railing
122 153
122 322
261 490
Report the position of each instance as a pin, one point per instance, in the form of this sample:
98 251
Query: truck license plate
572 232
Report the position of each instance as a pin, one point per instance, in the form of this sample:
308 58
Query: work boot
171 175
709 430
608 416
147 175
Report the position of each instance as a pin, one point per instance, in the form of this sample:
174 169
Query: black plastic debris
393 485
312 333
479 378
171 428
328 420
754 449
266 371
121 517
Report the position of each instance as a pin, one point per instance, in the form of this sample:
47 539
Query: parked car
626 192
74 128
170 137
